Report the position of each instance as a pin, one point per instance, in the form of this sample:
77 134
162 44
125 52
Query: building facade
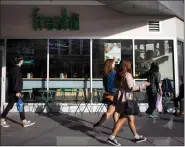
64 48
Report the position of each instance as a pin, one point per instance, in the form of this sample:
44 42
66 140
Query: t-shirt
154 78
108 82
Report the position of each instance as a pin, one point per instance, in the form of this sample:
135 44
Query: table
30 91
47 97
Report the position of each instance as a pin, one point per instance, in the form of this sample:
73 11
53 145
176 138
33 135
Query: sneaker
4 124
140 139
153 116
28 124
113 142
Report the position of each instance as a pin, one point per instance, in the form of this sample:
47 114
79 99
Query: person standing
124 97
154 78
108 83
180 99
15 85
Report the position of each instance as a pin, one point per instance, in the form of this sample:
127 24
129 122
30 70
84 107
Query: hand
18 95
146 84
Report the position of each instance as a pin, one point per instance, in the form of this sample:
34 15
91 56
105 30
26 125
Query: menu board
58 46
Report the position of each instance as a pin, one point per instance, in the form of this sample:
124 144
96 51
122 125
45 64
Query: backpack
166 85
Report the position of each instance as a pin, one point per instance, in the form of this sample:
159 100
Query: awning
147 7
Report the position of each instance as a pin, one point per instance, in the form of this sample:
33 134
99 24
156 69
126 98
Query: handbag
108 96
132 107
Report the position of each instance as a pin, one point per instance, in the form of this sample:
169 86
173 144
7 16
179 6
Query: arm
158 81
142 75
130 83
16 81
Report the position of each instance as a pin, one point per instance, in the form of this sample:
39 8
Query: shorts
108 102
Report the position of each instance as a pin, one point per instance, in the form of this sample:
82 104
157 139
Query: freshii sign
63 22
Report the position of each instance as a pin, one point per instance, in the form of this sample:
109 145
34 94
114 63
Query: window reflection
148 51
34 53
71 58
104 49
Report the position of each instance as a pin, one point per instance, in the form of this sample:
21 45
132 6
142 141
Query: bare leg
118 125
132 124
115 116
105 116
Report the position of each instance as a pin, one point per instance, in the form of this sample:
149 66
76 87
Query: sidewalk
74 129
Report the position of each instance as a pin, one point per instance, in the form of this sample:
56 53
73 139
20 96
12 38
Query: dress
125 92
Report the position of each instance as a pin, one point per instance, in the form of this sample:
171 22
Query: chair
167 100
100 99
141 97
87 100
75 97
63 98
28 97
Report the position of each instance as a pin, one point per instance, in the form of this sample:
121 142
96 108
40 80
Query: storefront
64 47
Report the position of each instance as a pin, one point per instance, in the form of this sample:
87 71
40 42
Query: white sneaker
28 124
140 139
4 124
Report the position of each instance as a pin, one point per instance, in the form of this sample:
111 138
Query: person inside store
154 78
180 99
109 75
15 85
126 106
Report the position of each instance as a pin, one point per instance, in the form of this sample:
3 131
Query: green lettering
41 22
48 23
63 22
76 22
35 19
57 23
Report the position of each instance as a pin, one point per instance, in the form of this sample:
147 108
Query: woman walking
124 101
108 83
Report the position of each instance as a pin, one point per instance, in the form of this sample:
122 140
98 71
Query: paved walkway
74 129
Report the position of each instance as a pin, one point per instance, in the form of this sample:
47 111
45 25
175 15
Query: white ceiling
142 7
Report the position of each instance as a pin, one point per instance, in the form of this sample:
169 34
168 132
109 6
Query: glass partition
34 68
148 51
69 67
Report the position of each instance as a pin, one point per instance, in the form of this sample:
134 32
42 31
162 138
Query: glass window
34 68
69 68
69 58
107 49
112 49
148 51
180 58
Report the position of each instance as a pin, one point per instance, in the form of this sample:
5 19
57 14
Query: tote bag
159 105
